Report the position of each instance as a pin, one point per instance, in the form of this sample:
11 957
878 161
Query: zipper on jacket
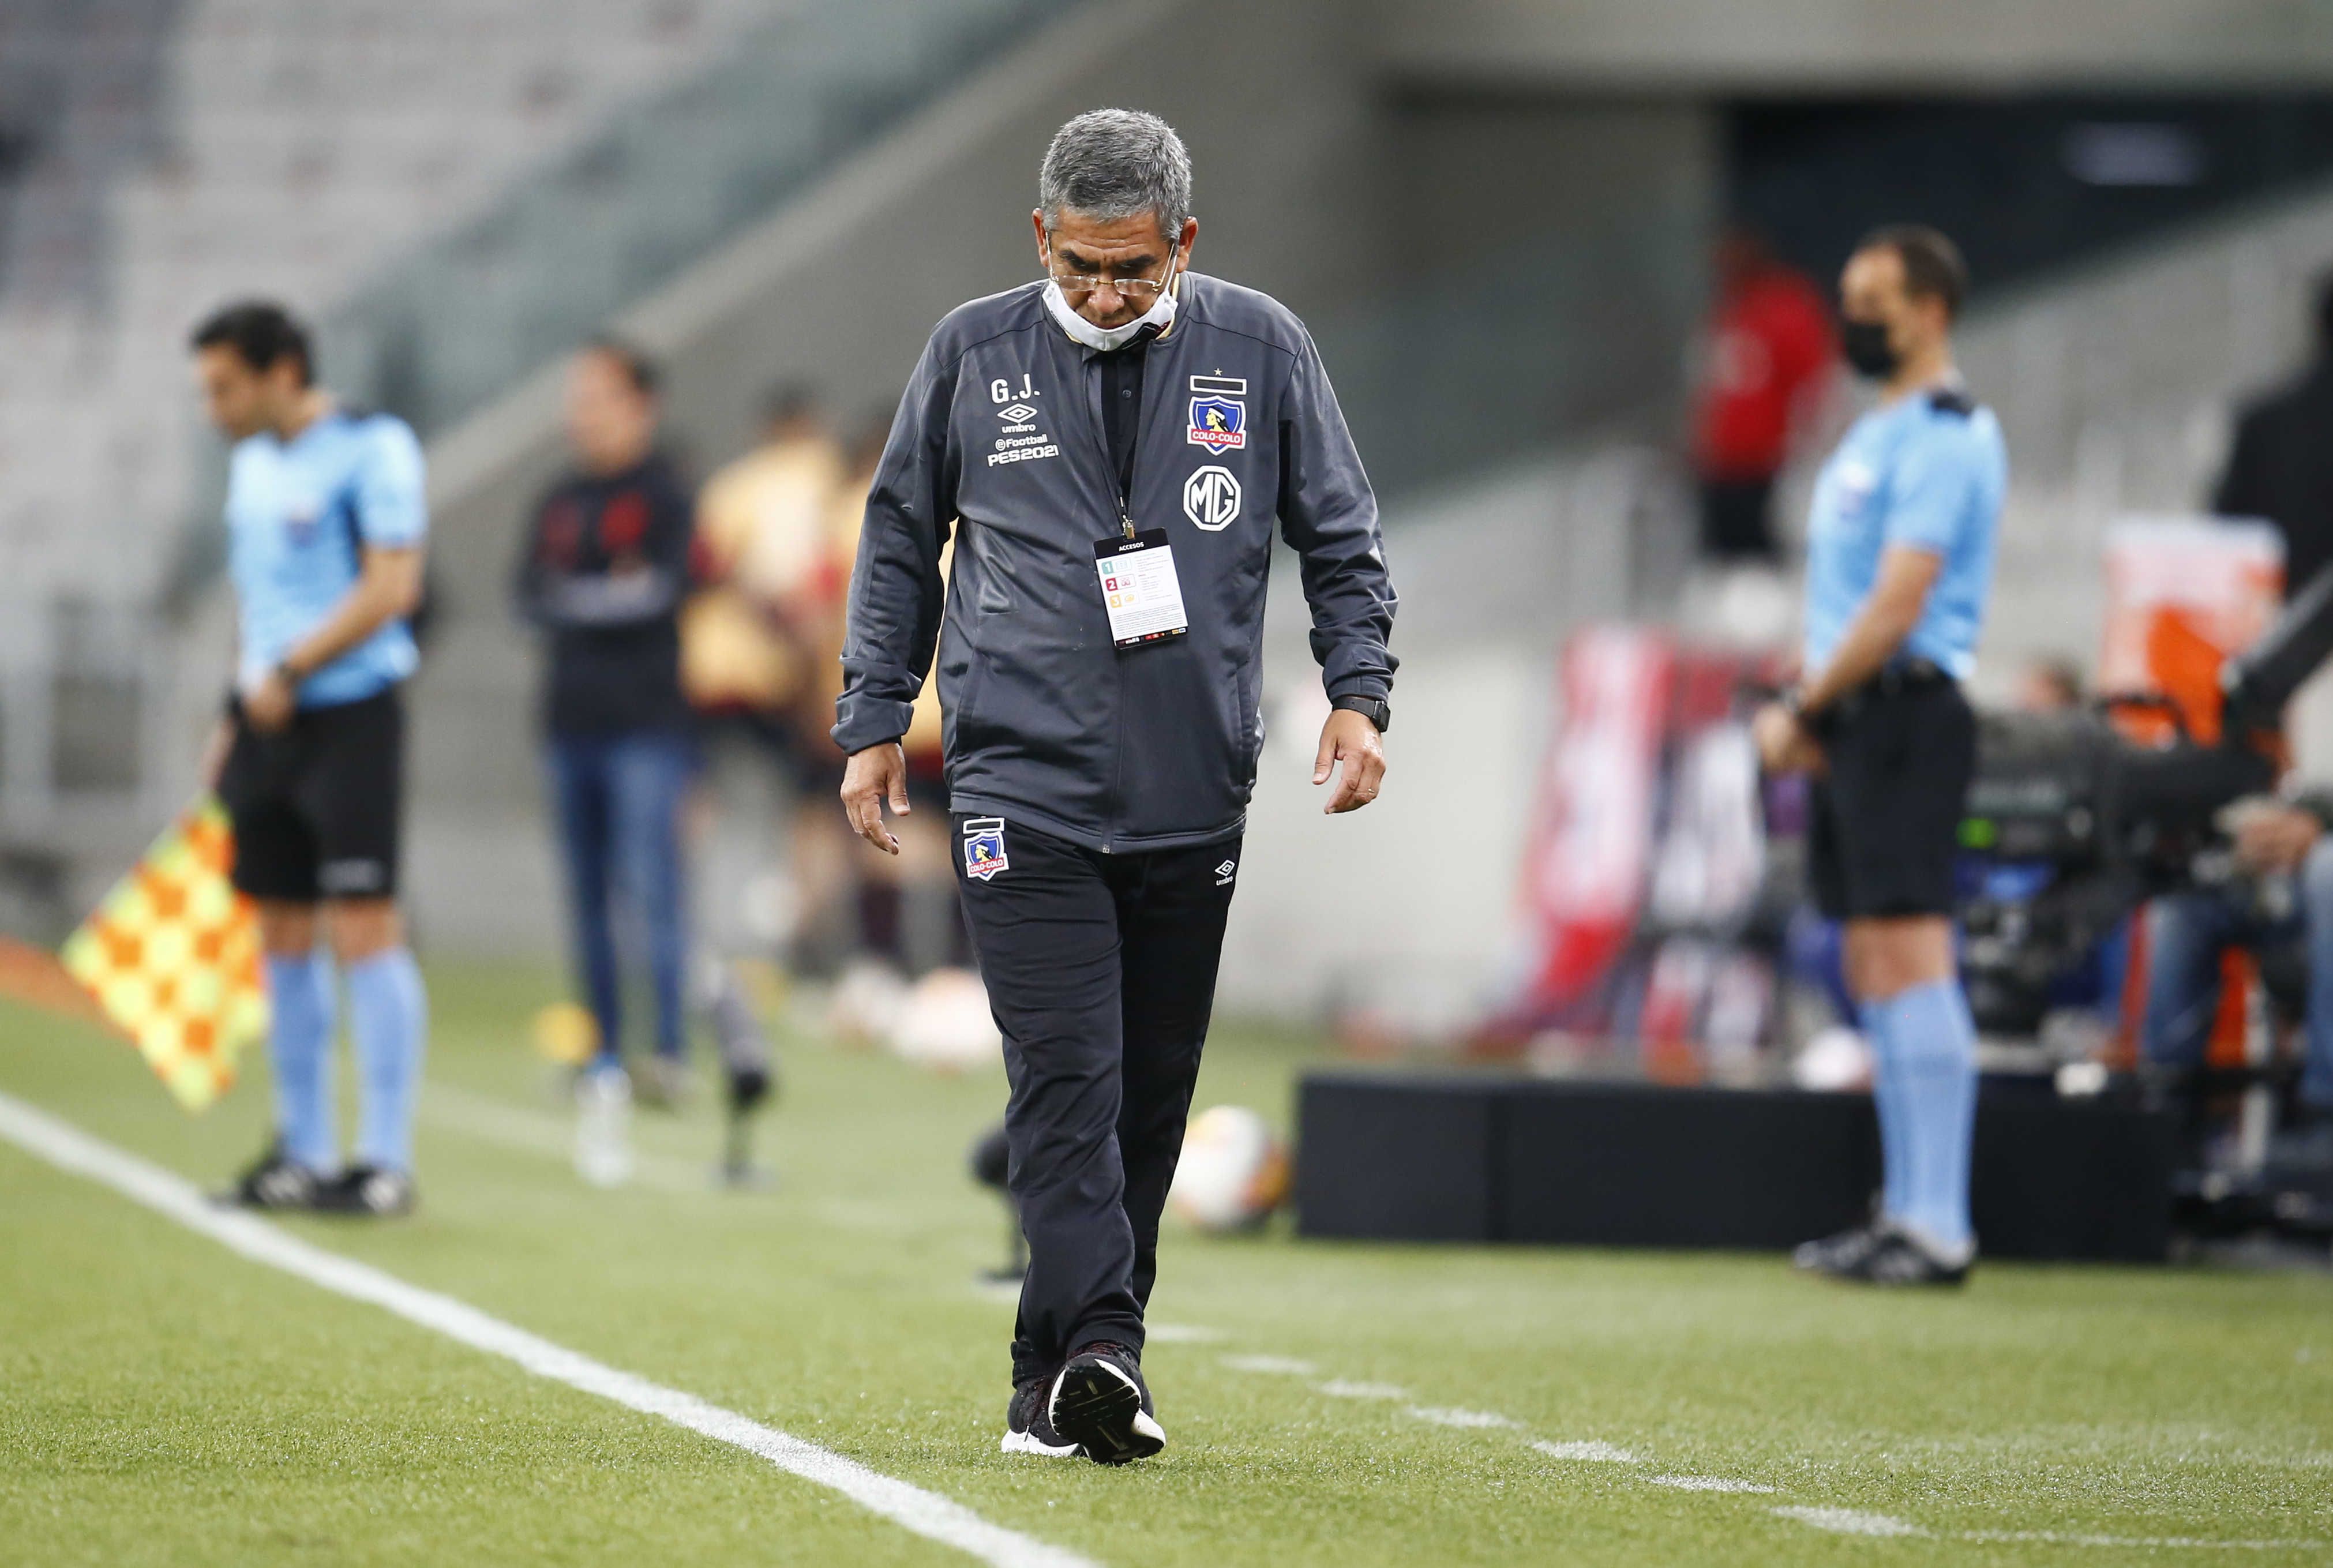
1124 487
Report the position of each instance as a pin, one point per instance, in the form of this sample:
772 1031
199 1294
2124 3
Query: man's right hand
869 779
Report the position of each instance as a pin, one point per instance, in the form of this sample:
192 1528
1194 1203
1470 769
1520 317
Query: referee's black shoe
367 1192
1101 1404
273 1181
1835 1255
1897 1257
1028 1426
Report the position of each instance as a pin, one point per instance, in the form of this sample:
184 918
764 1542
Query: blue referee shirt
298 515
1929 471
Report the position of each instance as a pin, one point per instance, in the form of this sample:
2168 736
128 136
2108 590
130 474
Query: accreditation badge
1139 589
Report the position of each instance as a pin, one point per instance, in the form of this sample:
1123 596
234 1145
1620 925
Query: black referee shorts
317 806
1885 822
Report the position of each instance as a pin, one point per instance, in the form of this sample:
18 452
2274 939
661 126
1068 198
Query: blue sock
388 1018
299 1050
1933 1042
1888 1100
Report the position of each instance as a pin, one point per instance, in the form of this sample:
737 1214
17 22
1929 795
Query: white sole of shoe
1027 1443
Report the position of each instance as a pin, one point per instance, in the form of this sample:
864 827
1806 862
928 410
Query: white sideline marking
927 1514
1850 1522
1706 1484
1342 1389
1180 1334
2161 1543
1589 1453
1444 1416
1285 1366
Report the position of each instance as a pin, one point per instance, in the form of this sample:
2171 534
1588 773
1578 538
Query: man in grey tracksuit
1111 450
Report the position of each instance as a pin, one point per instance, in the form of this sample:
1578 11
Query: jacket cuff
1369 687
872 723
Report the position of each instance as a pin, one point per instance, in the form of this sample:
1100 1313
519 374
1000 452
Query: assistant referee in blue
1899 565
1112 449
327 520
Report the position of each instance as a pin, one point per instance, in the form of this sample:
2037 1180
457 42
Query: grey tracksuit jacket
1000 437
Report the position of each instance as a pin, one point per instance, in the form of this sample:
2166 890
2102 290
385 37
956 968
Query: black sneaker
1029 1429
1896 1258
1100 1403
368 1190
1835 1255
271 1182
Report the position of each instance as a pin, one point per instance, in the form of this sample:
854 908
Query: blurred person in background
326 520
603 574
902 911
2280 909
753 636
1111 450
748 635
1766 355
1899 567
2281 463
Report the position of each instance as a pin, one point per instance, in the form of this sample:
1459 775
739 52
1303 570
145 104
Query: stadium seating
181 154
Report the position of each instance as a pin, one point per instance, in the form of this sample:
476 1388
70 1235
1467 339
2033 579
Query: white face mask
1151 322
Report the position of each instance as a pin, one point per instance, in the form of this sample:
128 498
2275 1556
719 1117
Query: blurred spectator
2283 908
603 574
2281 466
2050 683
1768 351
906 907
748 638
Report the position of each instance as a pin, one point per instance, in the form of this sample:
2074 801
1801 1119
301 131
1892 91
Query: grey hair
1115 163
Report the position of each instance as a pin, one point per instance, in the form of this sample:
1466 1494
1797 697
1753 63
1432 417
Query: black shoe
368 1190
271 1182
1100 1403
1835 1255
1029 1429
1895 1258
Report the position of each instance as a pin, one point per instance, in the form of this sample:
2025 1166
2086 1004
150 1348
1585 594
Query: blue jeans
2188 933
619 798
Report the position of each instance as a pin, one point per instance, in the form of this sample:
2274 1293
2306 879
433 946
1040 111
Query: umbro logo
1224 872
1017 414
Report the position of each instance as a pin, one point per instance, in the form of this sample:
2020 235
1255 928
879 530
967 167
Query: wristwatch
1376 710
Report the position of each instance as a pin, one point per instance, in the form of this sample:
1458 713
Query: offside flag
172 956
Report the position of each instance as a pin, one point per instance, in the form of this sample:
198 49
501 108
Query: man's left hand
1349 738
268 703
2277 838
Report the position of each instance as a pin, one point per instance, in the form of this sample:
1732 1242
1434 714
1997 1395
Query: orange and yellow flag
172 956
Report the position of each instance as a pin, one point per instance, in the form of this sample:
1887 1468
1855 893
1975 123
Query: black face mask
1866 346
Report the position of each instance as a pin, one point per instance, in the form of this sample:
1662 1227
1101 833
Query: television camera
2099 823
2072 826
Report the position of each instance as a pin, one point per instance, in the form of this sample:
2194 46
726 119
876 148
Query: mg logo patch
984 848
1211 498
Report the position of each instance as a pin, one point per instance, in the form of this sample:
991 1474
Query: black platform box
1395 1156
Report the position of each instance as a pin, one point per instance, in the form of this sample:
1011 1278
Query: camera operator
2281 905
1899 566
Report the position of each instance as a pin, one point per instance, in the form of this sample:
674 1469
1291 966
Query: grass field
167 1401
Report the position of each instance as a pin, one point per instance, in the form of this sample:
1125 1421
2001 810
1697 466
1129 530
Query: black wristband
1376 709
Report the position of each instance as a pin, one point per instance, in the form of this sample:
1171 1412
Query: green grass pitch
163 1401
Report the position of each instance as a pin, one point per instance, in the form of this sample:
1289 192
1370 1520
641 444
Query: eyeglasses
1135 290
